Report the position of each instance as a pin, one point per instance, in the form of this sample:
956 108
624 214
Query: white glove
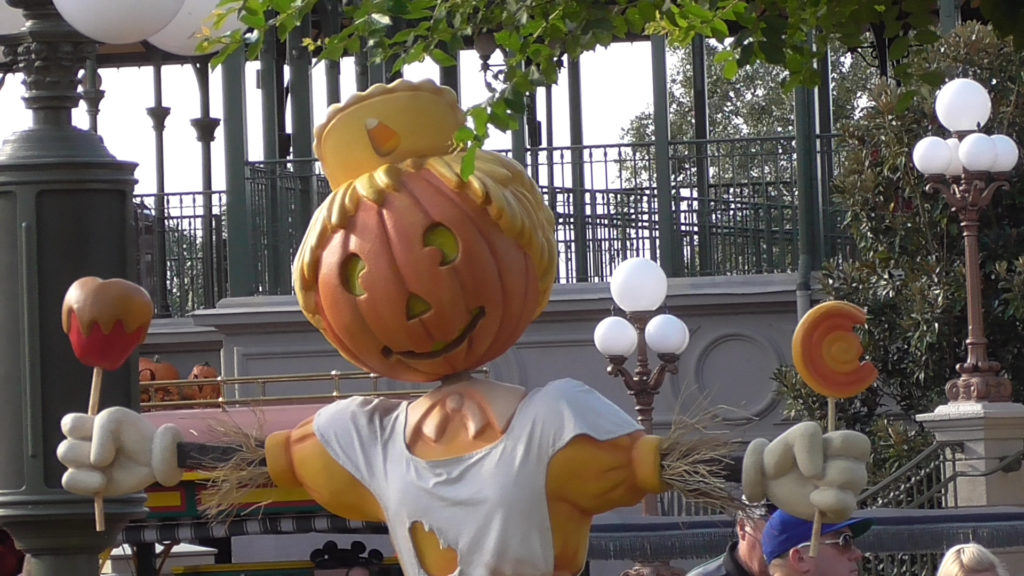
117 452
803 470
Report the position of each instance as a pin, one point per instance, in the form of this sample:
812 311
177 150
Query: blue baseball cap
783 532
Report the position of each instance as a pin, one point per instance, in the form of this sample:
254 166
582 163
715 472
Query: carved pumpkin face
423 283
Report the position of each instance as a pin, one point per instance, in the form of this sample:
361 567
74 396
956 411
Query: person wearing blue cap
786 541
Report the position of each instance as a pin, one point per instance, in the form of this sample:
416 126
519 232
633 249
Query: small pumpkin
203 371
153 370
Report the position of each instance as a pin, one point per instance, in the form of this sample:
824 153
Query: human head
358 571
786 543
970 560
750 521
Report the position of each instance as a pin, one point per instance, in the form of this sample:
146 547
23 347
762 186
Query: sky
616 87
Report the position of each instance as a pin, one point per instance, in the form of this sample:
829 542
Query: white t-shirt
490 506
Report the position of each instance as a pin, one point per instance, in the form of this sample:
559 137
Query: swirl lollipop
105 321
826 353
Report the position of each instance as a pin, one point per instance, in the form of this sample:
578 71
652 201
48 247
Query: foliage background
907 270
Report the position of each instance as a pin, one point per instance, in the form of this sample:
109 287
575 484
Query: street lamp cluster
639 287
968 169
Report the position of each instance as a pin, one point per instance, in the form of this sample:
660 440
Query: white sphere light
118 21
615 336
638 284
963 105
666 334
932 155
11 20
1006 153
955 168
180 36
977 152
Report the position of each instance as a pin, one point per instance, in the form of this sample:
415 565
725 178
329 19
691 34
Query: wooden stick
816 529
94 408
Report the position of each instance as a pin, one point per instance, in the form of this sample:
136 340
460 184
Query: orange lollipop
826 353
826 350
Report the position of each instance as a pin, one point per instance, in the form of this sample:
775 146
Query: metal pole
701 132
579 193
91 93
669 249
299 65
206 128
241 275
65 212
808 210
158 114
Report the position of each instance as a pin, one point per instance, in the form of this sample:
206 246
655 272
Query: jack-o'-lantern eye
351 269
441 237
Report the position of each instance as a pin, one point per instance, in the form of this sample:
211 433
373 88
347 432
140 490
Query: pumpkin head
415 274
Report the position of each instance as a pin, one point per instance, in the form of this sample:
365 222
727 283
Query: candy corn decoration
826 353
105 321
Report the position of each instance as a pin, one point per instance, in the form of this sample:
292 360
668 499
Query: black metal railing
182 249
734 206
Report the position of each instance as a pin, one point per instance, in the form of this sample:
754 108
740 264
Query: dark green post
206 128
65 212
158 114
577 174
301 86
808 209
241 274
706 263
669 250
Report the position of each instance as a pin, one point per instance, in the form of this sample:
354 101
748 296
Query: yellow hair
498 184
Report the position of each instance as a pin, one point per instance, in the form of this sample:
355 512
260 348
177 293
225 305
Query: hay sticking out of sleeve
694 462
229 482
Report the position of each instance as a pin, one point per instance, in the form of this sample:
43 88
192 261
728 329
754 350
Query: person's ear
800 561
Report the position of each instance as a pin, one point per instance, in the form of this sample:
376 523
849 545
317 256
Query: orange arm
595 477
297 459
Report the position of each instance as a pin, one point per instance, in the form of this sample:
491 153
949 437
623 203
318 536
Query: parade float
415 273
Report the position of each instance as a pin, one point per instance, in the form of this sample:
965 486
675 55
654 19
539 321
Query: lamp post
639 287
65 212
968 169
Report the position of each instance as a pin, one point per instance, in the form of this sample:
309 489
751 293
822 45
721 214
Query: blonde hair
968 559
498 184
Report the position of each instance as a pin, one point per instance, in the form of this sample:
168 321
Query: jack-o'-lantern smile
443 349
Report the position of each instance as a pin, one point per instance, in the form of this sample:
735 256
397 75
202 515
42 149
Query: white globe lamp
118 21
181 35
11 20
638 285
615 336
932 155
963 105
666 334
1006 153
977 152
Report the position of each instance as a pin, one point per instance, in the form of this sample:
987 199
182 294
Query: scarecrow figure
418 275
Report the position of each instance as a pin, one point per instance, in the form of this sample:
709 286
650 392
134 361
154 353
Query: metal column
241 274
